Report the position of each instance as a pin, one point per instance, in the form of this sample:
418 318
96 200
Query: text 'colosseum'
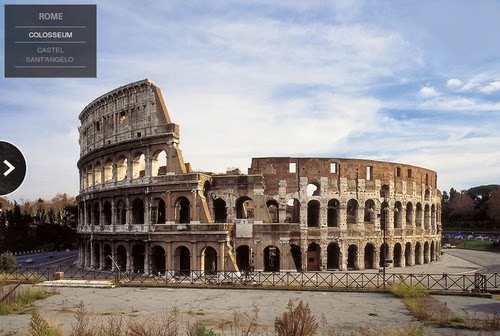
143 207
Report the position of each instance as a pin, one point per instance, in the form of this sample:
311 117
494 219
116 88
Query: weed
296 321
40 327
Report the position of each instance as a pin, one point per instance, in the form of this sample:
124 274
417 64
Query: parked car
447 246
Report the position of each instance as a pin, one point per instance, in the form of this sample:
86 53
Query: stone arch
220 210
370 214
89 214
139 165
427 216
418 214
97 173
107 213
158 259
209 260
207 188
245 207
121 168
182 260
332 216
107 255
273 209
121 257
352 257
313 257
138 252
97 214
271 259
293 211
433 257
333 256
161 211
159 163
384 254
108 170
409 214
90 174
370 256
352 211
426 252
121 213
408 258
182 210
433 216
243 258
398 255
97 255
137 211
418 254
398 215
313 213
427 195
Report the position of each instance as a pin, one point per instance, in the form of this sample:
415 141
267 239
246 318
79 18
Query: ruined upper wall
129 112
404 178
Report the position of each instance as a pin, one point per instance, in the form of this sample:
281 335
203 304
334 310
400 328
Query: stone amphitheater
142 208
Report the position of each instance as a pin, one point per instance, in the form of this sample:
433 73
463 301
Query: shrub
7 261
296 321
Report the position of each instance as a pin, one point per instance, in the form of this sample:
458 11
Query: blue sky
414 82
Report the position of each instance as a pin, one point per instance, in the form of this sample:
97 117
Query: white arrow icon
11 167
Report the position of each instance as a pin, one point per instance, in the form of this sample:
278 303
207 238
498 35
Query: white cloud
428 92
491 87
454 83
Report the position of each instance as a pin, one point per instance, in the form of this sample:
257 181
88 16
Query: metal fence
481 282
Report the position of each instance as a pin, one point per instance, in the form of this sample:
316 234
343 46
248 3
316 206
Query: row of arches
124 166
138 257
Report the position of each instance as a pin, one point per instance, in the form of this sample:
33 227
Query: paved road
342 311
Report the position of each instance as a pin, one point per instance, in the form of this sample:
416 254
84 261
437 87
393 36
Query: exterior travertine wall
142 206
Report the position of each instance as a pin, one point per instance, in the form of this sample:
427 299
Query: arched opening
161 212
332 216
243 258
384 213
245 207
121 213
138 258
107 255
433 257
398 215
138 166
384 254
108 170
293 211
398 255
97 173
182 208
158 259
207 187
297 256
220 210
272 208
209 260
97 255
352 257
427 216
271 259
370 215
418 254
121 257
313 257
182 260
107 213
313 213
89 218
137 211
426 252
418 215
333 257
408 258
427 195
370 256
352 211
97 214
121 168
159 163
409 214
313 189
433 217
90 174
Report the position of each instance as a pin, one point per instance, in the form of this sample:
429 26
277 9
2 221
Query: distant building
141 205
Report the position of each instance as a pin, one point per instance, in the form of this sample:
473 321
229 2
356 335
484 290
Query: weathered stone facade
142 208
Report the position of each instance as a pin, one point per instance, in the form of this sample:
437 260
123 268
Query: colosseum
142 208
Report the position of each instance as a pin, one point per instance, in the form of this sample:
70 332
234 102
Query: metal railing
480 282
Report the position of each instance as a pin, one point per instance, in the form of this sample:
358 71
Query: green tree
7 261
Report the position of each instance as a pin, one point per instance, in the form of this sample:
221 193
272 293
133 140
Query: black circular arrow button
12 168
